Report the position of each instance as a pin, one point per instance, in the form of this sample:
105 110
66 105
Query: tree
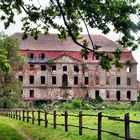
93 13
10 86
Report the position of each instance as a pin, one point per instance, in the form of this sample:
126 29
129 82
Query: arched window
64 80
31 56
42 56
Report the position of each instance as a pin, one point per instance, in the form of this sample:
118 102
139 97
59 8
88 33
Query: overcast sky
113 36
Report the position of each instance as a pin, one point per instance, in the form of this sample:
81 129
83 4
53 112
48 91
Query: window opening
20 77
64 80
128 81
75 80
129 95
53 80
76 68
31 79
42 79
54 68
118 95
96 94
43 67
31 93
118 80
86 81
107 94
64 68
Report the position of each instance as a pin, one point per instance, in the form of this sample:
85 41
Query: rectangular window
97 80
118 95
20 77
31 79
31 93
86 81
129 95
107 94
128 81
64 68
53 80
96 94
42 78
118 80
96 57
54 68
76 69
75 80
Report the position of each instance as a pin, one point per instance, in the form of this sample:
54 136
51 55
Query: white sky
113 36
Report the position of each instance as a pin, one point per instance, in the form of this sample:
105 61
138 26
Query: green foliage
97 14
50 62
84 66
10 86
95 101
77 103
136 106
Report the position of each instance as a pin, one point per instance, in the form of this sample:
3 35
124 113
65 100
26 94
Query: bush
77 103
66 106
95 101
136 106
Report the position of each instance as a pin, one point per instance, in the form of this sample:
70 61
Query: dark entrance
118 95
64 80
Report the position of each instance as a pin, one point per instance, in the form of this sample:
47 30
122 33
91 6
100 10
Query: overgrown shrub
77 103
136 106
95 101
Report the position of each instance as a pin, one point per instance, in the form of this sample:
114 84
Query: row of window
118 81
118 94
42 56
97 94
76 79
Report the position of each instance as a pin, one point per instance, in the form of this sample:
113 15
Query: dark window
129 95
118 95
128 81
76 68
31 79
107 94
42 79
43 67
21 92
96 56
20 77
42 56
118 80
86 57
64 68
86 81
31 67
31 93
96 94
97 80
75 80
31 56
53 80
53 67
107 80
64 80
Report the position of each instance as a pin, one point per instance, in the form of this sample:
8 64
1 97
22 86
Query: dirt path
22 133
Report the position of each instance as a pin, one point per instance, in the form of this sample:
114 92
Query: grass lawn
49 133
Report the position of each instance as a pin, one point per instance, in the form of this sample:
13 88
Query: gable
66 59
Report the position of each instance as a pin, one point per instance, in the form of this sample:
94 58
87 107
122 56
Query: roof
53 43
